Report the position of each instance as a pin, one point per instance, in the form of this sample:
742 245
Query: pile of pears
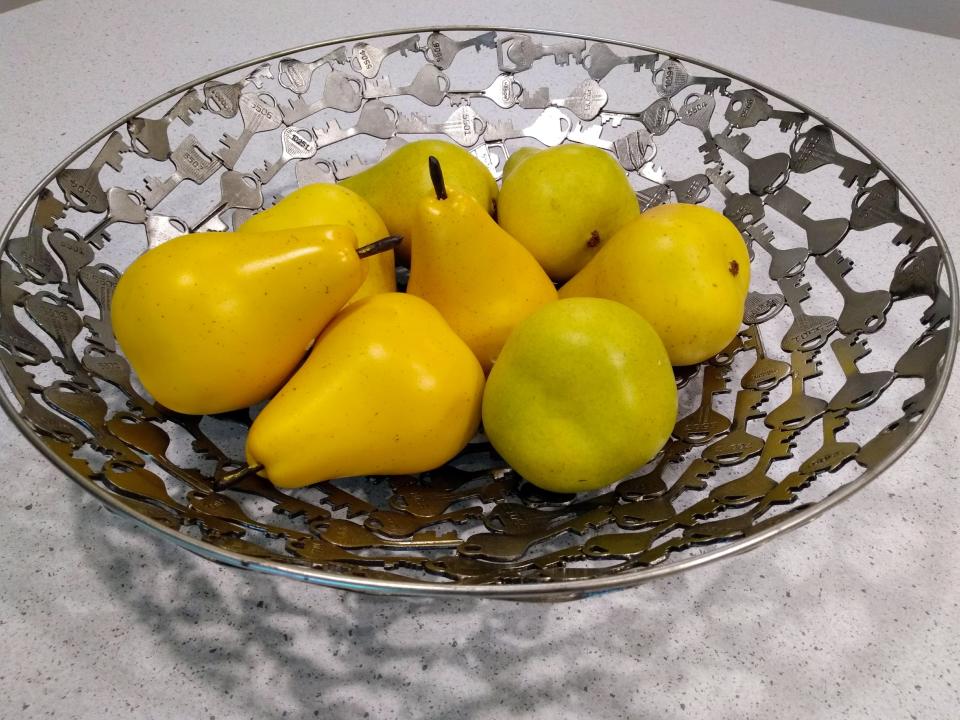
299 308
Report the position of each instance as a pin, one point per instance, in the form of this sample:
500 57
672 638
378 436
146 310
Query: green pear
396 184
517 157
564 203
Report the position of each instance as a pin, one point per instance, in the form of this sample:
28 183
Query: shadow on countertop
259 641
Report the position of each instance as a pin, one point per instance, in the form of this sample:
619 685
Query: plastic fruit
395 185
582 395
388 388
213 322
517 157
684 268
481 280
564 203
324 204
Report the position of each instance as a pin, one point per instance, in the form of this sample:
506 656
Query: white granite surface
853 616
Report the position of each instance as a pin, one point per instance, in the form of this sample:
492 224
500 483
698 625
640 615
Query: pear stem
436 175
379 246
231 479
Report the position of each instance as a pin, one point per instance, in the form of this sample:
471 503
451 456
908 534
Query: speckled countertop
853 616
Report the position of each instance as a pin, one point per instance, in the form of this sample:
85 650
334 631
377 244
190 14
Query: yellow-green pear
395 185
564 203
481 280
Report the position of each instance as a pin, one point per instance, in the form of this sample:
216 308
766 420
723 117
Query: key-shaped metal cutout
317 170
145 437
643 513
923 360
516 53
141 484
89 410
696 111
692 191
760 307
75 254
918 274
150 138
739 445
672 77
634 150
893 436
123 206
236 191
585 101
429 86
862 311
504 91
494 156
259 113
601 59
100 281
63 325
815 148
340 92
321 553
223 99
28 252
878 205
743 209
366 59
513 518
285 505
651 484
14 336
860 389
506 548
337 499
81 186
704 424
37 416
191 162
161 228
753 486
351 536
440 49
808 332
658 117
832 454
227 509
764 175
766 373
550 128
376 119
784 263
463 126
431 496
822 235
748 107
296 144
694 477
400 524
114 369
800 409
295 75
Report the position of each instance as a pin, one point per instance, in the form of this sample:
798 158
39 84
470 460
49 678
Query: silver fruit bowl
847 342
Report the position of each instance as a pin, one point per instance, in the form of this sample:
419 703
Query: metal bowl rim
530 591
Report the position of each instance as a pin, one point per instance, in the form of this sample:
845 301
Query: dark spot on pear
734 268
594 239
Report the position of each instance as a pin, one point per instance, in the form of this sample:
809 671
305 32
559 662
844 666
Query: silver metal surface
752 455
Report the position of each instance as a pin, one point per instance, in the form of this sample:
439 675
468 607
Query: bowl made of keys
847 339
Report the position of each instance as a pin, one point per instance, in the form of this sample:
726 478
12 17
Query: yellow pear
212 322
564 203
684 268
517 157
583 394
481 280
388 388
325 204
395 185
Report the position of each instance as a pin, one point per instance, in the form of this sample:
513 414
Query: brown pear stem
231 479
379 246
436 176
